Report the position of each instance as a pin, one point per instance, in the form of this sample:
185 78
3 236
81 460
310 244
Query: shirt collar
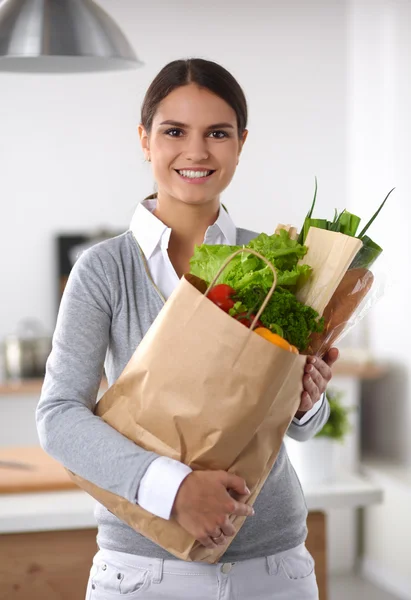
225 225
148 230
146 227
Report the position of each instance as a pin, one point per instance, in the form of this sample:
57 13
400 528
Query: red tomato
221 295
247 320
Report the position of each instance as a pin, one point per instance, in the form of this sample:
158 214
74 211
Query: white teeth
194 174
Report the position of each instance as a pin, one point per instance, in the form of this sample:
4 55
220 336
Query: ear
242 142
144 140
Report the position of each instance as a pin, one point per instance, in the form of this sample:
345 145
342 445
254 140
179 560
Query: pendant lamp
61 36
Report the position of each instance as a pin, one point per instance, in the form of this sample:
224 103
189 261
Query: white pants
285 576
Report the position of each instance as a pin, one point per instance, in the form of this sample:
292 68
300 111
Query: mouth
195 176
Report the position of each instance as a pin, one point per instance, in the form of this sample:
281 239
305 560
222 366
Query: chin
197 199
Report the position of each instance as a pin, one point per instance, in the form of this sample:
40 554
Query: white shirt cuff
160 484
310 413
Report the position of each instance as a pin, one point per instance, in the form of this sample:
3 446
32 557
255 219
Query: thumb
331 357
236 483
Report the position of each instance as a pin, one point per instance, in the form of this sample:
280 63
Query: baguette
349 294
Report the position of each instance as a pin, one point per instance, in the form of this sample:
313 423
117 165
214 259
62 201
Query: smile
194 175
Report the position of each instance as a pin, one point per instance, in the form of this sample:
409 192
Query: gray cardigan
107 307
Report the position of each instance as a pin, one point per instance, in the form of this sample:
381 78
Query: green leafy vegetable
252 278
247 270
296 320
346 223
349 223
375 215
207 260
367 255
338 424
279 248
303 232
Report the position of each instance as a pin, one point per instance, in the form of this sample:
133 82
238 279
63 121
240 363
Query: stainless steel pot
25 353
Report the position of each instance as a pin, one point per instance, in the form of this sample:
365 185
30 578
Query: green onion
320 223
375 215
367 255
304 228
336 225
310 213
349 223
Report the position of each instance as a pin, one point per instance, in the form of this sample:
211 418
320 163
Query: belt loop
158 570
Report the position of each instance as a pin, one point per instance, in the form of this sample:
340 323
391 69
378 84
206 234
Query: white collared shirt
159 486
154 237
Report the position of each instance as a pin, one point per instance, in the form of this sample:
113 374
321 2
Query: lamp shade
57 36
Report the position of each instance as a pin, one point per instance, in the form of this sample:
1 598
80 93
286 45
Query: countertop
60 510
343 368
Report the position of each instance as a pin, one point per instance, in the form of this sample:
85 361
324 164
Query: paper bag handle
270 292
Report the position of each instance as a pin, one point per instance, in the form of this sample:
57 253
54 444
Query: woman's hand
317 375
203 505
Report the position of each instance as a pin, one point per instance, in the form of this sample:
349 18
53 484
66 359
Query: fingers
321 366
240 509
306 402
318 379
237 484
228 528
220 534
218 537
332 356
311 388
207 542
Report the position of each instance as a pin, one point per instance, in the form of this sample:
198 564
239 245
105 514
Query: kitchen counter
73 509
343 368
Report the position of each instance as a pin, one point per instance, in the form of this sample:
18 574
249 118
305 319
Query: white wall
380 158
69 153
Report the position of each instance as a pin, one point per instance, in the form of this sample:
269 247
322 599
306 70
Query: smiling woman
204 149
193 129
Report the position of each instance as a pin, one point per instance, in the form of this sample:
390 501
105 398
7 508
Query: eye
219 135
174 132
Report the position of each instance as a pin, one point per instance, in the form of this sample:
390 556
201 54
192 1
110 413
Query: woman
193 128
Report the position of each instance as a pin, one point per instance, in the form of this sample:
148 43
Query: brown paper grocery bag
207 391
330 254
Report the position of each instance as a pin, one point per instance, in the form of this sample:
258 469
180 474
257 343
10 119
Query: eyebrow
215 126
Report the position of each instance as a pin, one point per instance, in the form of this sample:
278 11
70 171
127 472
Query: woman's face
193 145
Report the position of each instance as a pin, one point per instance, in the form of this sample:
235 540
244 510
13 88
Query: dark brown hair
206 74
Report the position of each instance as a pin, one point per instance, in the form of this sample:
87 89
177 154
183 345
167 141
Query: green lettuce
279 249
207 260
250 276
247 270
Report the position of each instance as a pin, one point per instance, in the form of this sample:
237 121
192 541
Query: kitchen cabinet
47 565
47 538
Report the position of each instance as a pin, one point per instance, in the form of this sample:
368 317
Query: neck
188 222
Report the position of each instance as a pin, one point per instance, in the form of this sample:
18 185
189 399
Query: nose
197 148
